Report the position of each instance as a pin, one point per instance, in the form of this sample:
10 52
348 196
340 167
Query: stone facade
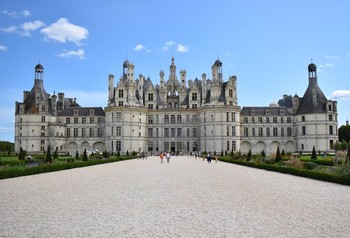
176 114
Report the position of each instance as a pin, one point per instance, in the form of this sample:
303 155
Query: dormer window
267 112
76 112
252 112
92 112
281 112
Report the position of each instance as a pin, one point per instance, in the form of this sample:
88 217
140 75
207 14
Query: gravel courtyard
185 198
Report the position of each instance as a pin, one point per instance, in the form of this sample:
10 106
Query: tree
21 154
344 133
249 156
55 154
48 155
85 156
127 153
77 155
313 155
118 153
263 154
278 157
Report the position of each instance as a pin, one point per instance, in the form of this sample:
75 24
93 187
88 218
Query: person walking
168 156
209 158
161 156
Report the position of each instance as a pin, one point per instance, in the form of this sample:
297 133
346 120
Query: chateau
177 114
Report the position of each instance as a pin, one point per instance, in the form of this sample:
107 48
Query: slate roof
83 111
261 111
307 104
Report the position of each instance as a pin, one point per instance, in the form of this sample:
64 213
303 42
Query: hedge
12 172
345 180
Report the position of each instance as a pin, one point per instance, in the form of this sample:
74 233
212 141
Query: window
121 93
118 131
233 131
172 131
172 118
289 131
253 119
233 145
150 97
227 145
275 132
260 132
179 119
274 119
157 118
188 132
166 132
330 118
83 120
68 132
260 119
329 107
245 119
233 116
194 96
92 132
281 119
166 119
92 120
118 145
194 118
331 130
157 132
42 134
227 116
150 132
194 106
245 131
150 106
267 119
43 108
282 131
75 132
194 132
230 93
303 118
120 103
42 118
303 130
289 120
83 132
42 142
179 132
99 120
150 119
99 132
118 116
227 131
253 132
75 120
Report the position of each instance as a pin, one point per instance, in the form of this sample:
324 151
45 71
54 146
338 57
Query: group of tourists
166 155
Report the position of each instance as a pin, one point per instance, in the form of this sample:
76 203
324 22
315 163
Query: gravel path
185 198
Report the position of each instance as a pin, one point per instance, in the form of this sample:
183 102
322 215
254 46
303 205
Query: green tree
278 157
85 156
21 154
118 153
127 153
344 133
55 154
48 155
263 154
313 155
77 155
249 156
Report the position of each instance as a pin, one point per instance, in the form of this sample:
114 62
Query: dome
218 62
273 104
312 67
39 67
126 63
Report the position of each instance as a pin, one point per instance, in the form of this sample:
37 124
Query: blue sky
266 44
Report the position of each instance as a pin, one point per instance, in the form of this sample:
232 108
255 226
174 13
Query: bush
309 165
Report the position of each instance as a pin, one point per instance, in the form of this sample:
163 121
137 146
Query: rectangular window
150 97
289 120
282 131
253 132
83 120
194 96
157 118
68 132
260 132
179 119
274 119
99 120
179 132
150 132
227 131
233 131
118 145
42 134
120 103
150 119
227 116
150 106
194 132
233 145
268 131
118 116
42 118
75 120
303 118
157 132
121 93
331 130
67 120
227 145
83 132
100 132
194 118
267 119
275 132
92 132
92 120
172 130
188 132
75 132
118 130
289 131
233 116
230 93
303 130
172 119
245 131
281 119
245 119
330 118
42 142
259 119
253 119
166 132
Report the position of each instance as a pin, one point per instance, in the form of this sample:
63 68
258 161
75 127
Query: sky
266 44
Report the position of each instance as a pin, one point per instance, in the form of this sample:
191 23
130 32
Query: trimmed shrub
313 155
309 165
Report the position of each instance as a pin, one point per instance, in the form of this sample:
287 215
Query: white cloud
182 48
71 53
139 47
326 65
63 31
3 48
168 45
88 99
9 29
340 94
31 26
14 14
